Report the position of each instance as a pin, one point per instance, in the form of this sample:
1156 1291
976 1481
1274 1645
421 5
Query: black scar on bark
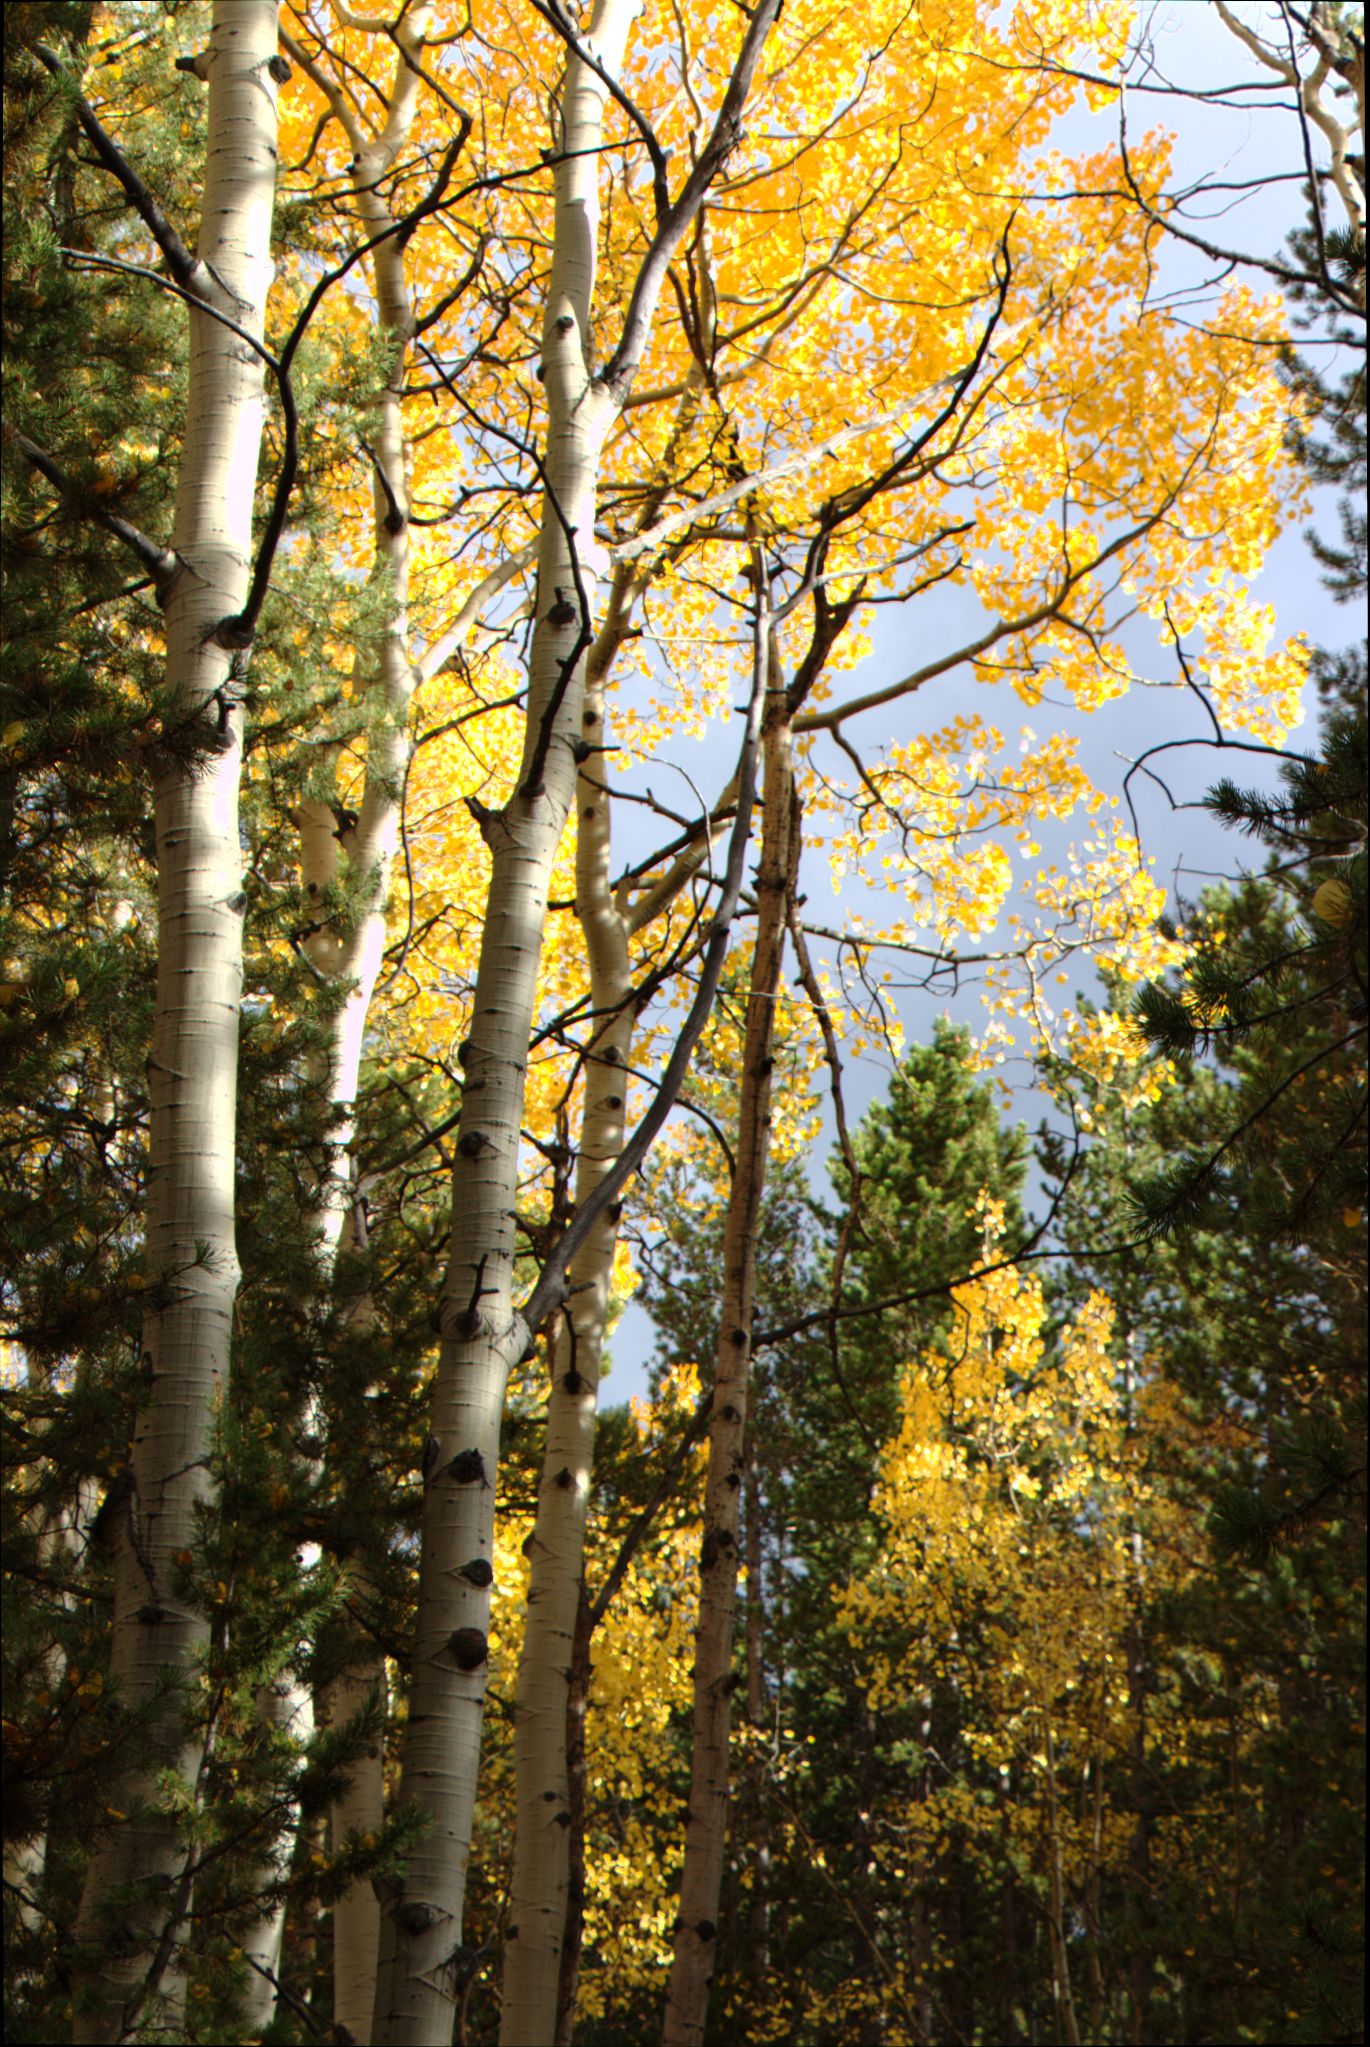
467 1468
469 1648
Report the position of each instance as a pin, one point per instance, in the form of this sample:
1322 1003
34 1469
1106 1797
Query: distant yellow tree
1009 1500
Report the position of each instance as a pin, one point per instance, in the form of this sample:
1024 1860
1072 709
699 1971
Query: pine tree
796 1890
82 694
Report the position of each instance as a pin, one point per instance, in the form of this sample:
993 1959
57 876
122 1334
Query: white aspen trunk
421 1946
355 957
367 849
360 1810
695 1945
480 1335
540 1975
137 1887
287 1706
539 1887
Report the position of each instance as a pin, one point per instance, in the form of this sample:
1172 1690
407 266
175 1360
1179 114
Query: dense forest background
419 429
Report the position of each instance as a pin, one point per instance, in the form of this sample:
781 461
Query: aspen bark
481 1336
695 1943
577 1706
353 957
138 1883
546 1898
541 1874
287 1706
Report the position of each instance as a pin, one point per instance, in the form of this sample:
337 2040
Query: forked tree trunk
352 955
695 1945
138 1883
481 1337
546 1895
422 1957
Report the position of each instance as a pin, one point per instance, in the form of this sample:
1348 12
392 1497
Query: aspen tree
1021 615
706 1826
138 1886
344 853
538 1885
482 1335
349 951
537 2003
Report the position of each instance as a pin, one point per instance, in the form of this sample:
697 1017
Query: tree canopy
509 512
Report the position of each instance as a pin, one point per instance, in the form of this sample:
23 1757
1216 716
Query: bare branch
446 645
617 375
550 1286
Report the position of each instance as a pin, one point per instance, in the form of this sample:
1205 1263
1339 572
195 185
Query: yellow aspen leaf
1332 902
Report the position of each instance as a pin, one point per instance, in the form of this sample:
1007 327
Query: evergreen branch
1168 1201
1241 1526
1168 1024
1025 1253
1227 746
182 264
160 562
